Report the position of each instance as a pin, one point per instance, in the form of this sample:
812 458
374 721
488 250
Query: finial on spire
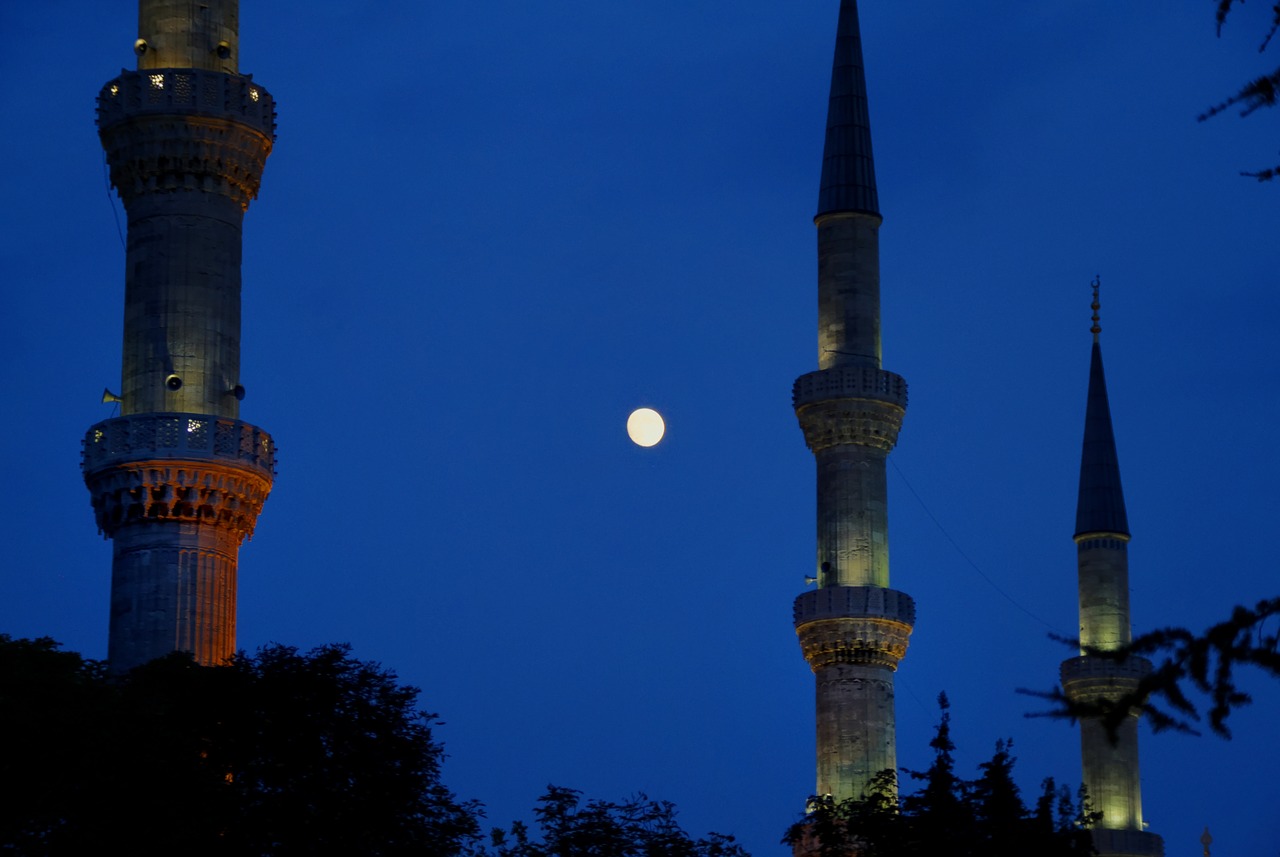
1100 508
1097 328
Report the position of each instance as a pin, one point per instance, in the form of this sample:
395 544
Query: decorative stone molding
186 129
1090 679
866 625
850 422
211 493
192 468
185 437
867 641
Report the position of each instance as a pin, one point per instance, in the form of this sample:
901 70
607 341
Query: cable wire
965 556
111 200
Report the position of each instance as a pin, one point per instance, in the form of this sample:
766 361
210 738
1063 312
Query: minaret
177 481
853 629
1102 543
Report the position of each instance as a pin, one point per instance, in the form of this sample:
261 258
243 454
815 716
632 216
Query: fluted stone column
178 480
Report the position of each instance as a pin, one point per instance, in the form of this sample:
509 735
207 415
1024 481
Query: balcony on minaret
136 112
178 467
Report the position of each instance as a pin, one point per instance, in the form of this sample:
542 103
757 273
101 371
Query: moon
645 427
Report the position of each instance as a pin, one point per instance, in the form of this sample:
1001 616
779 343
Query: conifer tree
983 817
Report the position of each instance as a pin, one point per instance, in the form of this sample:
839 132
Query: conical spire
848 172
1100 508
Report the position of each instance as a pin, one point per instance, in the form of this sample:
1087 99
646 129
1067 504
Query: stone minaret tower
1102 542
853 629
177 481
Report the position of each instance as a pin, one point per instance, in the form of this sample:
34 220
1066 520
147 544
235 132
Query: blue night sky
490 229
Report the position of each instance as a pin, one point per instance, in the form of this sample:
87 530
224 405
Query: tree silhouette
984 817
637 827
277 753
1260 92
940 803
1185 666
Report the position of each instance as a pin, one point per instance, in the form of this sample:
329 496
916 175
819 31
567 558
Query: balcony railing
849 382
143 437
187 90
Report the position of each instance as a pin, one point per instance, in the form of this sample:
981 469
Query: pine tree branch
1204 665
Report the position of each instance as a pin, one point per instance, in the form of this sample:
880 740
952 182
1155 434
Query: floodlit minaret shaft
853 629
1102 543
177 481
183 34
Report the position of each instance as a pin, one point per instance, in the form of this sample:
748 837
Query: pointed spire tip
1100 506
848 182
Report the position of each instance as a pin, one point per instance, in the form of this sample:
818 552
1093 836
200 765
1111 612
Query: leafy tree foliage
638 827
1260 92
1187 666
984 817
278 753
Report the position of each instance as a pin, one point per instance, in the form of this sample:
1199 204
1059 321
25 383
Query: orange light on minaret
178 480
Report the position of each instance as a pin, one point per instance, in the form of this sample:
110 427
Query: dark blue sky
491 229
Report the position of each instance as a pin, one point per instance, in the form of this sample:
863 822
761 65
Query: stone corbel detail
166 154
864 625
167 130
1090 679
867 641
208 493
844 422
850 405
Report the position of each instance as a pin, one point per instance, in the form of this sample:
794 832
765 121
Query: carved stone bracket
194 468
1090 679
209 493
866 625
850 405
843 422
186 129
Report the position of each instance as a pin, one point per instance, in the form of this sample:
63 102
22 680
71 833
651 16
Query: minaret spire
178 480
848 170
853 628
1100 505
1102 543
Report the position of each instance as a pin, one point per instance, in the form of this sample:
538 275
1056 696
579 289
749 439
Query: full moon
645 427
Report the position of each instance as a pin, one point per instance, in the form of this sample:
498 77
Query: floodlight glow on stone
645 427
